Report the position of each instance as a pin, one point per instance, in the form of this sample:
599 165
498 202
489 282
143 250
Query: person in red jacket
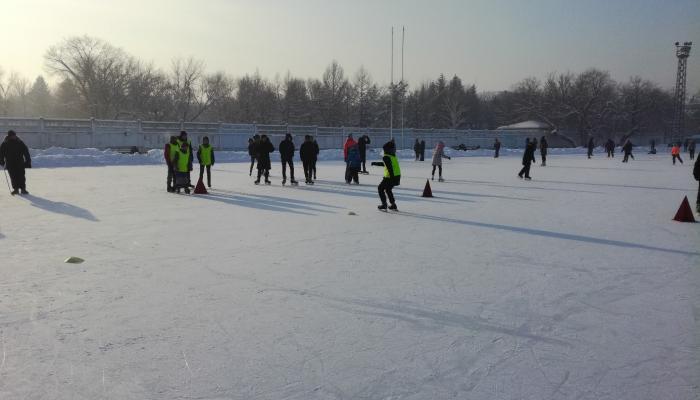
676 153
168 152
346 147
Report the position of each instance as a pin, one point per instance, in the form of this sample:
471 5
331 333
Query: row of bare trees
96 79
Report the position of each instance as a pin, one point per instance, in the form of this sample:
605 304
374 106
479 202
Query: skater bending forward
392 176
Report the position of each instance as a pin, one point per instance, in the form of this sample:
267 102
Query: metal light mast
682 53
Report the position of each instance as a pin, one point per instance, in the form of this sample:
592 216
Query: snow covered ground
576 285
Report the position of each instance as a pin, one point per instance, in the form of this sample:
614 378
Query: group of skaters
260 147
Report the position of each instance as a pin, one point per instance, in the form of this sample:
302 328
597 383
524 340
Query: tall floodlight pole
391 88
403 92
682 53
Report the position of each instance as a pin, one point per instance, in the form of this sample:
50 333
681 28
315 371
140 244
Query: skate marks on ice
60 207
268 203
549 234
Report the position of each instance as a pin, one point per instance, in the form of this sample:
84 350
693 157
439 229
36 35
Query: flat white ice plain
576 285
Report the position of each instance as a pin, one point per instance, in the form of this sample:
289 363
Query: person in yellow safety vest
205 156
168 153
392 176
183 166
183 139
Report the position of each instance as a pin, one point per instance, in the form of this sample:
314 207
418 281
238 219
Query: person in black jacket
392 176
528 159
308 154
14 156
691 149
416 149
496 148
287 156
317 150
627 148
262 155
696 174
362 145
543 150
252 142
590 147
422 150
610 148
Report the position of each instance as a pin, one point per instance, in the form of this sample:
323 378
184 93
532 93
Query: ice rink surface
575 285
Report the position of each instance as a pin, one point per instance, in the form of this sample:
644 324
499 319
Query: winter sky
493 43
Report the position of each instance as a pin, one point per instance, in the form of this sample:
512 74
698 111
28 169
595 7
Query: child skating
438 155
392 177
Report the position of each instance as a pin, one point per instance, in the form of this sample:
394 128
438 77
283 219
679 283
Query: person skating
610 148
353 166
543 150
438 155
346 147
262 155
168 153
416 149
676 153
691 149
652 147
252 142
422 150
362 145
287 149
182 162
183 139
392 176
696 174
496 148
15 158
590 147
528 159
627 148
308 154
205 156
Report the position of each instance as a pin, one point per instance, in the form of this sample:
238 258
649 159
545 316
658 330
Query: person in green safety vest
183 139
182 165
205 156
168 153
392 176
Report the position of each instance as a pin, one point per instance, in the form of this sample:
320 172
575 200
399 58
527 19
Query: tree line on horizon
96 79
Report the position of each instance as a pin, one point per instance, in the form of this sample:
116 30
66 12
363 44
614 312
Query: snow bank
56 157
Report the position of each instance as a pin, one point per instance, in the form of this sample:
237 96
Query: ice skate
393 207
382 207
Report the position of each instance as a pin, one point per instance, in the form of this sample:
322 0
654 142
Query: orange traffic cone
427 192
685 213
200 189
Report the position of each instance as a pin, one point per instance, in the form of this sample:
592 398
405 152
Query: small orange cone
685 213
427 192
200 189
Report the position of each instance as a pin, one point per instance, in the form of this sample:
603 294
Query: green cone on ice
74 260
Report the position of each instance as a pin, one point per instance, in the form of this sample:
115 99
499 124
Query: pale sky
492 43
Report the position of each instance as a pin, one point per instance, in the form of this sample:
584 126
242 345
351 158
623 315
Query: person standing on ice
168 154
416 149
676 153
496 148
252 142
346 147
354 164
543 150
392 176
262 155
205 156
528 159
14 157
183 139
627 148
590 147
308 154
422 150
287 149
317 150
438 155
610 148
362 145
182 162
691 149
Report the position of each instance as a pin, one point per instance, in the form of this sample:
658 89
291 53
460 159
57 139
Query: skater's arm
199 155
27 157
213 160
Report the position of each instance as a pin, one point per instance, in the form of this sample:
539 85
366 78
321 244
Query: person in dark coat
354 164
317 149
422 150
496 148
287 156
691 149
543 150
416 149
528 159
252 142
610 148
168 153
590 147
308 154
362 145
262 155
652 147
14 156
627 148
696 174
392 176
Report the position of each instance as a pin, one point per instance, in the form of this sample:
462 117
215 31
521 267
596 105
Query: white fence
117 134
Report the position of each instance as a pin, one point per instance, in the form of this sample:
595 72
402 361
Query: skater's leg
522 171
252 163
433 173
267 176
171 178
313 167
14 178
380 189
291 169
440 171
356 176
284 170
201 171
259 174
390 194
209 175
